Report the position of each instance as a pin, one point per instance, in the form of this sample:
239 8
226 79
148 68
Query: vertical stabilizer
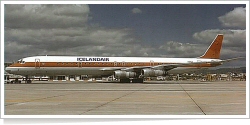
213 51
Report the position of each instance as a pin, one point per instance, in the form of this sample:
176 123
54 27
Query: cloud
234 42
73 41
136 11
235 18
178 49
62 30
46 16
232 38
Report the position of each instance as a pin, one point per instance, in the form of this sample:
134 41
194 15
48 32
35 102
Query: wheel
137 80
124 80
28 81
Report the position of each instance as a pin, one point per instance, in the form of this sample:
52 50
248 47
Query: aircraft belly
77 71
94 71
61 71
180 70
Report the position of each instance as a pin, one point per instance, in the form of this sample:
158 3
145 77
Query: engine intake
152 72
123 74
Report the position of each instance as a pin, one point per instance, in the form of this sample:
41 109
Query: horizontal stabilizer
228 60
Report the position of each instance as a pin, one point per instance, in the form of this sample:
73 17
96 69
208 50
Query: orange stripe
79 64
98 64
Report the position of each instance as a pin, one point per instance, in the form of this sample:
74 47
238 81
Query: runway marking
24 102
192 99
112 101
225 99
134 90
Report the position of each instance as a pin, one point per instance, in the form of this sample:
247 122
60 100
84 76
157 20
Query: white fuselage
98 66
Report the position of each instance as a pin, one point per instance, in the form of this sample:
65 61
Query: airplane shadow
117 82
163 82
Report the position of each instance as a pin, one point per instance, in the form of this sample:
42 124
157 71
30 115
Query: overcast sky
123 30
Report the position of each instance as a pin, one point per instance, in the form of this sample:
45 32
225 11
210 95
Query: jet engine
123 74
152 72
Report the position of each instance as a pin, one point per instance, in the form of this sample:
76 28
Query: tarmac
105 98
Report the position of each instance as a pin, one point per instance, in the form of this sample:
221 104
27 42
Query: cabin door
151 62
80 64
37 63
123 63
199 63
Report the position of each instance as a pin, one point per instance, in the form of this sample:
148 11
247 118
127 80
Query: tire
124 80
137 80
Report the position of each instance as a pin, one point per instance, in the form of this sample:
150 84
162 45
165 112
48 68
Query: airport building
68 78
171 77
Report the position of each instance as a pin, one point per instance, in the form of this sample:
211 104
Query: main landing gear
124 80
139 80
27 79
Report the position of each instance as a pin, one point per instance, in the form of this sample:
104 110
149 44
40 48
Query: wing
165 67
168 67
128 69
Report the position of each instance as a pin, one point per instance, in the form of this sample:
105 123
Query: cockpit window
20 61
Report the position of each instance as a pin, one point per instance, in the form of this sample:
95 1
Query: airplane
125 69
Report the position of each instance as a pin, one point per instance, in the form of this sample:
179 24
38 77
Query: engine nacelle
123 74
152 72
160 73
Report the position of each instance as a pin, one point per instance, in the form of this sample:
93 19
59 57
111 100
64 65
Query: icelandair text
93 59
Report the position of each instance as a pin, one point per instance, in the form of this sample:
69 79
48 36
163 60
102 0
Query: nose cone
12 70
8 70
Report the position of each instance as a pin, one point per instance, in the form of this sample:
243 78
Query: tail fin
213 51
